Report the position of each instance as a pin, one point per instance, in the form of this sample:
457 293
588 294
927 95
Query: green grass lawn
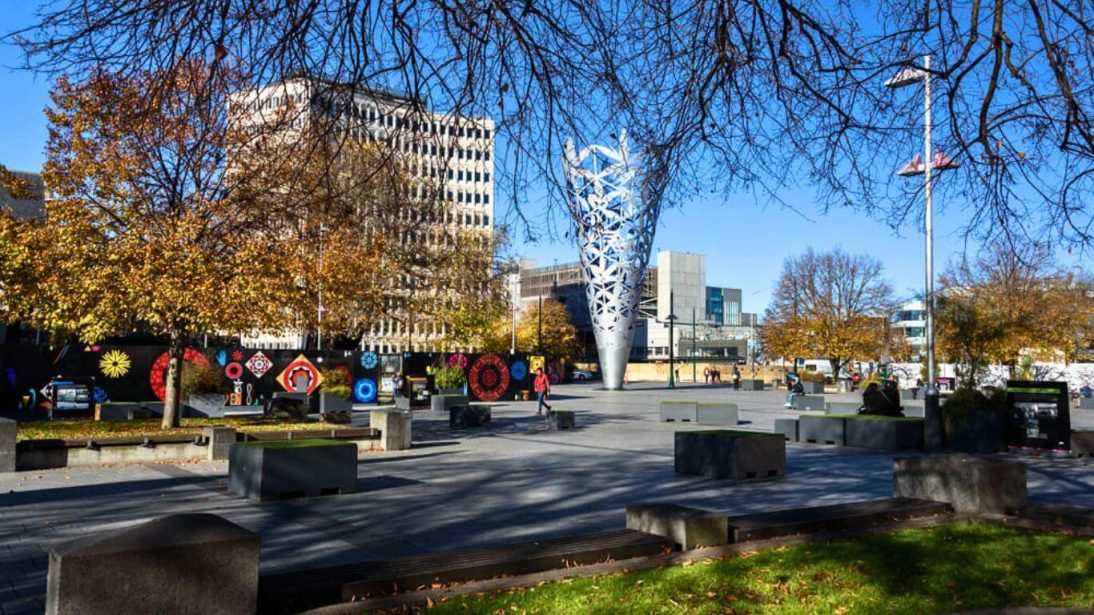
76 430
952 568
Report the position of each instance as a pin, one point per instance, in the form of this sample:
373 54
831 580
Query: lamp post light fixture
910 76
671 318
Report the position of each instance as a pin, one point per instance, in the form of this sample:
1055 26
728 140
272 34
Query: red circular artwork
233 370
489 378
458 360
344 371
157 376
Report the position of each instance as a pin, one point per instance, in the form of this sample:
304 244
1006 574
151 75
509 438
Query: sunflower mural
115 364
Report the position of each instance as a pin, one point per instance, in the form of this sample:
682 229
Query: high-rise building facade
446 155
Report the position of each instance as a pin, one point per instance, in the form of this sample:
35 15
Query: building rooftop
25 208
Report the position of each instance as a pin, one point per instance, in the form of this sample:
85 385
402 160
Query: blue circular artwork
99 395
369 360
364 391
518 370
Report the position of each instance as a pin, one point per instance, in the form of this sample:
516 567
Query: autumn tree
16 186
829 304
1008 304
151 225
559 337
729 96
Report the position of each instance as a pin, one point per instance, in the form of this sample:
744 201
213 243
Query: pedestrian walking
736 379
706 375
543 391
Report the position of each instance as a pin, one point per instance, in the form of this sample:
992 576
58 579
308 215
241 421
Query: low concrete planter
71 457
841 407
185 564
984 432
690 528
463 417
814 403
395 427
886 433
716 413
914 410
219 441
730 454
969 483
444 403
813 388
685 411
788 428
821 429
8 431
458 391
330 404
292 468
560 419
1086 403
752 385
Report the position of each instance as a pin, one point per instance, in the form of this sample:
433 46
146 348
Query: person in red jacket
543 390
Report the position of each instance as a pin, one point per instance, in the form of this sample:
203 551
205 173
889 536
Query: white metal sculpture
614 208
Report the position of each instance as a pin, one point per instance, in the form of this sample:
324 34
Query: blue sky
745 241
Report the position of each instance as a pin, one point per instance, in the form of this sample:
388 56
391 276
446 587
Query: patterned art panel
138 373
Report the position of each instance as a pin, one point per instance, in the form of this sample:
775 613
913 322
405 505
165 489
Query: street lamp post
910 76
693 375
671 319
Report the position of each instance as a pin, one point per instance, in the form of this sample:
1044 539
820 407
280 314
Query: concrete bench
298 591
798 521
275 470
752 385
690 528
1082 443
739 455
1086 403
219 440
809 402
883 432
842 407
444 403
462 417
560 419
186 564
913 410
678 411
969 483
821 429
716 413
395 428
8 432
788 428
813 388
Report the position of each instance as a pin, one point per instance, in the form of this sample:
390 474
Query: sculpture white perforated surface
615 217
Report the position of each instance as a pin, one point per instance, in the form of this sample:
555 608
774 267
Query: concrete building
911 319
449 155
721 328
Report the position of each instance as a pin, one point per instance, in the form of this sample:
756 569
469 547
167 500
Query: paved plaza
454 489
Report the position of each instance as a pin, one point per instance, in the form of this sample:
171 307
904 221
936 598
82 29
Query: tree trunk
174 380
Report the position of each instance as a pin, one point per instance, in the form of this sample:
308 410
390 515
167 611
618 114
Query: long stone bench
293 592
826 429
766 525
686 411
1086 403
969 483
883 432
752 385
716 413
724 453
690 528
809 402
186 564
292 468
788 428
841 407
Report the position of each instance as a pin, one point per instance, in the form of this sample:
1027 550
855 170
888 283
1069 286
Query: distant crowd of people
713 375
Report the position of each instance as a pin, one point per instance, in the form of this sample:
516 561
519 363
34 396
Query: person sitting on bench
795 389
882 402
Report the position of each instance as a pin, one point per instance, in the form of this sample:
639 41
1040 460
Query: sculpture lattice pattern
615 214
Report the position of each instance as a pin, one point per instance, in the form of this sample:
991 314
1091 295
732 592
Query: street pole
693 374
513 341
672 317
931 408
539 334
319 308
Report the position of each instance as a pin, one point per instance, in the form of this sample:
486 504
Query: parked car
582 374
